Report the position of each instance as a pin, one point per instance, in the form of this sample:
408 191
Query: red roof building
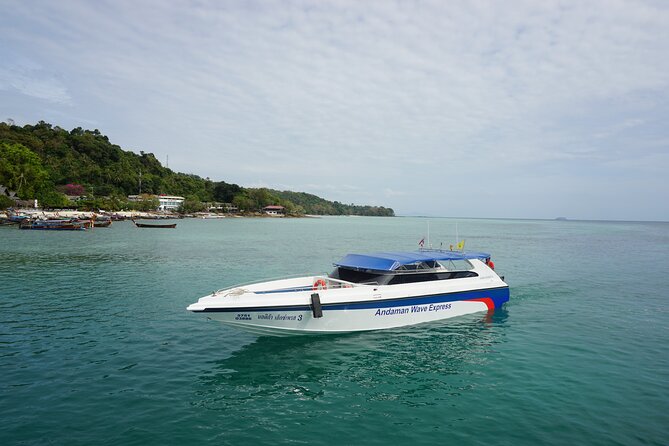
274 210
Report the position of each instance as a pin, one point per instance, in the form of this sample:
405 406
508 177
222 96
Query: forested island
52 165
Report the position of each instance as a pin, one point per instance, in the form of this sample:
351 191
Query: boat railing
330 283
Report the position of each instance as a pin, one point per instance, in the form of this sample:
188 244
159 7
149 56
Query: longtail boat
147 225
55 225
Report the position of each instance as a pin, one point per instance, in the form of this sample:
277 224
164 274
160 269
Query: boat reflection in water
408 365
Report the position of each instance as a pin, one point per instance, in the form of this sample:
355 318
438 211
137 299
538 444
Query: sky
502 109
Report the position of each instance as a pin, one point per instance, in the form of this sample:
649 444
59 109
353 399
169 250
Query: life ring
320 284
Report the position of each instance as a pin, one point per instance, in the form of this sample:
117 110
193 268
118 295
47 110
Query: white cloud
34 81
377 96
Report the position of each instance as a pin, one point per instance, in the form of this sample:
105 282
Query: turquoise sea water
96 346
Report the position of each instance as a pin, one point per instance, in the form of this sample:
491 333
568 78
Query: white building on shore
170 202
165 202
274 210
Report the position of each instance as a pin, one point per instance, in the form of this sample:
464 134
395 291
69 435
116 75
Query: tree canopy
38 161
21 170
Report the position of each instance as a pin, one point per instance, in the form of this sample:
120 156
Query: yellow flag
461 246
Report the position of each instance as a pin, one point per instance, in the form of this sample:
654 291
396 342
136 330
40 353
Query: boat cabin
393 268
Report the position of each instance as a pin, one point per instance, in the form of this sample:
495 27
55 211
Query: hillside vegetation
46 162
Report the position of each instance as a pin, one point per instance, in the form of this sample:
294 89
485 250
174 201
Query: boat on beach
102 223
15 217
55 225
363 292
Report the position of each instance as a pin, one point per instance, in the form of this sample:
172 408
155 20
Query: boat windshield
418 266
456 265
409 273
356 276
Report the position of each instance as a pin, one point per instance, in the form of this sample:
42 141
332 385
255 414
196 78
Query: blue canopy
390 261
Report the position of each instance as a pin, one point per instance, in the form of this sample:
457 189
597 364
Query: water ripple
96 346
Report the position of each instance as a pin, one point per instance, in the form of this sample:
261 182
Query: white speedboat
364 292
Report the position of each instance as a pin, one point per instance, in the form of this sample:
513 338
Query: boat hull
54 225
366 315
155 226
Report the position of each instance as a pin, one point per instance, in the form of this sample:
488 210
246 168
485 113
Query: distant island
82 169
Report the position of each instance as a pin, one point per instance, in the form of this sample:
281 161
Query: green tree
191 204
225 193
147 203
21 170
52 200
34 158
6 202
244 203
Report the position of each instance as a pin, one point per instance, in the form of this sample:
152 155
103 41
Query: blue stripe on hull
497 295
